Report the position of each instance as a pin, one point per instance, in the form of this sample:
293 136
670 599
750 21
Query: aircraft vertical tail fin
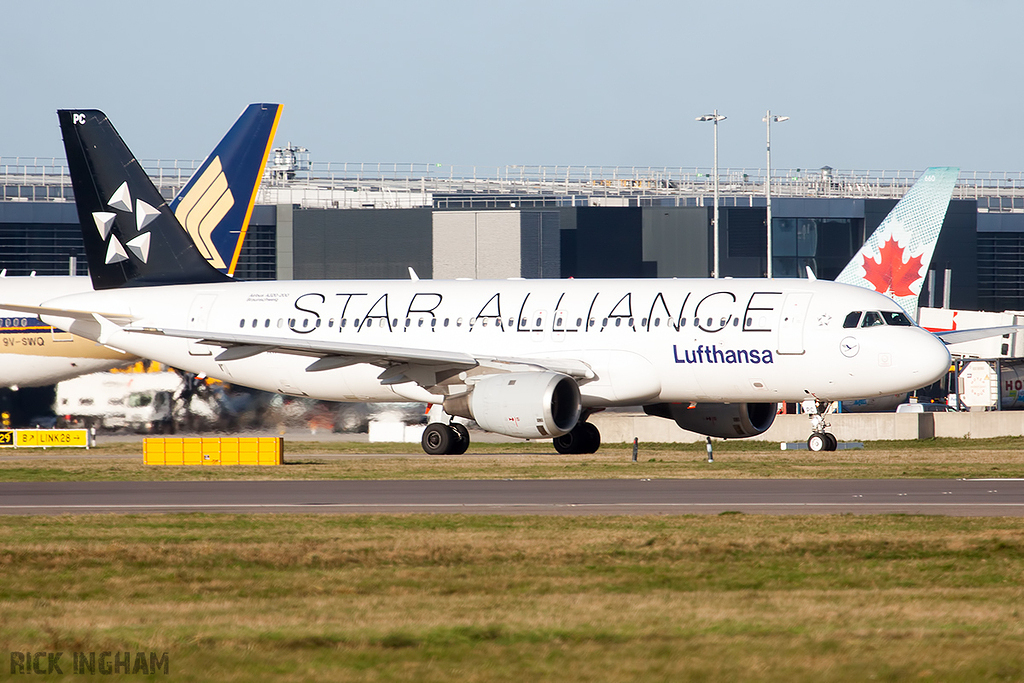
215 205
131 236
895 259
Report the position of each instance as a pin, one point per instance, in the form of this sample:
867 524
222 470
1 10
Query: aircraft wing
402 364
957 336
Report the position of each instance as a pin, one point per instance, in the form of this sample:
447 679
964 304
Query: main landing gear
445 439
819 440
584 438
453 439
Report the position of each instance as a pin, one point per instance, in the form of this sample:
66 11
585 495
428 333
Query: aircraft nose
930 357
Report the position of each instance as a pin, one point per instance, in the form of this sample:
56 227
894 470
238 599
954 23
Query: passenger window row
605 322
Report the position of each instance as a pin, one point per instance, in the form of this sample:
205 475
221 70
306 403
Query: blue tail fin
895 259
131 236
215 205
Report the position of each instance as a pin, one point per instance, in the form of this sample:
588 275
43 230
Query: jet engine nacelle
724 420
527 405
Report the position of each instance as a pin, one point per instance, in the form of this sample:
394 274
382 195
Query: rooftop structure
291 178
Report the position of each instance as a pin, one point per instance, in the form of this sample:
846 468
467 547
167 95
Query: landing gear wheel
584 438
437 439
816 442
592 437
566 443
833 442
461 442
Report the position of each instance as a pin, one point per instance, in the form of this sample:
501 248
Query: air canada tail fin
131 236
895 259
215 205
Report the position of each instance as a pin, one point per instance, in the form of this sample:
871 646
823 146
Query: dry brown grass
372 598
533 461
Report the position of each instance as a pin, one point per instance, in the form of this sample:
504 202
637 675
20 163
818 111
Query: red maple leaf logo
892 275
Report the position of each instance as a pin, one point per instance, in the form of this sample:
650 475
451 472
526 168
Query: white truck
140 402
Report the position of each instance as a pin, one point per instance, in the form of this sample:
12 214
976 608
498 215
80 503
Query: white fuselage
33 354
647 341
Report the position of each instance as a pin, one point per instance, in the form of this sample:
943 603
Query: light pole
715 118
768 118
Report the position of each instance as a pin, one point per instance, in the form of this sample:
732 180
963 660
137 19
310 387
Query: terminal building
315 221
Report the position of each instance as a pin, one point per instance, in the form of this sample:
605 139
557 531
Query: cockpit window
896 318
875 318
871 319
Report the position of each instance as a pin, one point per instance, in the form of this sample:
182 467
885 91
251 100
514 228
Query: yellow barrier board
46 438
199 451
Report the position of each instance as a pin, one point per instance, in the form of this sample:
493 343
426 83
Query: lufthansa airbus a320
524 358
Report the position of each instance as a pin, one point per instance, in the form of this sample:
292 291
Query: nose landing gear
820 440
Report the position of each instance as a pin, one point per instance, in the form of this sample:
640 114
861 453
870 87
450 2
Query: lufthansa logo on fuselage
712 355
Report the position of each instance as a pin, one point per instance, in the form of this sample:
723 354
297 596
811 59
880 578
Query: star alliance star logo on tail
121 200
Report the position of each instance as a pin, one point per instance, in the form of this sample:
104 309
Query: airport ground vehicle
139 402
924 408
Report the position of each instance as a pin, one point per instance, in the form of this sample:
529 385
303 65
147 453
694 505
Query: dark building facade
983 252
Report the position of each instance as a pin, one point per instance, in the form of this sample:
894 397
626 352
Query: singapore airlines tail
113 193
895 259
215 206
117 197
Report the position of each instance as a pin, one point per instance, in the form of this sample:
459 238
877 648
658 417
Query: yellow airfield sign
46 438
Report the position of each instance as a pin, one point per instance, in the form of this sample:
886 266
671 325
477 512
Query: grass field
491 598
372 598
937 458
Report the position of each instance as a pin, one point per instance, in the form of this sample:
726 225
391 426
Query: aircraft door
558 326
198 316
791 324
537 324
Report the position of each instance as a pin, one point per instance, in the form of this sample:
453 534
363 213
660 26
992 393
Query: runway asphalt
977 497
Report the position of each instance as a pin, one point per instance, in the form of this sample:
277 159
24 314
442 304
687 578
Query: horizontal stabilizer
958 336
40 311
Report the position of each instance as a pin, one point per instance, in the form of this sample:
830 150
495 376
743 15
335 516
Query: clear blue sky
867 84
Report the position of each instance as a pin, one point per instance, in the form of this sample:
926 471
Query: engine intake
724 420
521 404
